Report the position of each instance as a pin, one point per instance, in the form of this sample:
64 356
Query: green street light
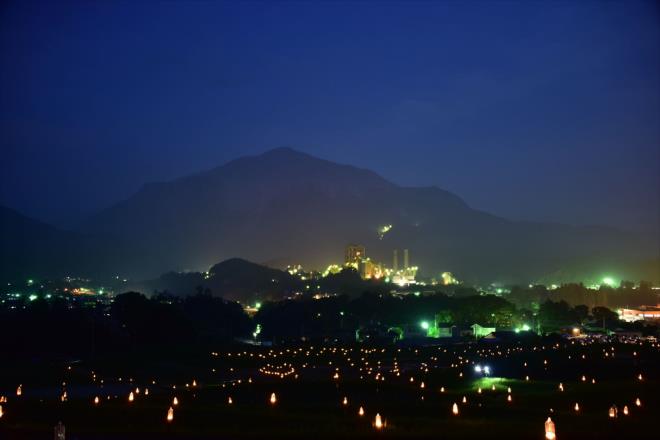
424 325
609 281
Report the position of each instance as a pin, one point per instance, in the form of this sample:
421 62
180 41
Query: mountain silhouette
286 207
290 207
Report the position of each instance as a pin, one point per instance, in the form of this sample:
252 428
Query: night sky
530 110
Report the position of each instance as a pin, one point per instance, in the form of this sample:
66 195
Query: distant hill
286 207
240 280
30 248
234 279
33 249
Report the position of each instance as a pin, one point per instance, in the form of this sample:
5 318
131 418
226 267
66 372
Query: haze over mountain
285 207
288 207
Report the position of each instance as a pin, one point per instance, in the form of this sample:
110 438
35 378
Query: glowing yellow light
378 422
638 402
493 387
170 414
561 386
63 397
146 391
550 429
194 383
229 401
131 397
442 389
96 400
508 398
576 407
625 410
361 411
508 390
19 390
273 399
1 413
421 385
464 399
613 412
584 378
454 409
640 376
175 401
345 401
479 390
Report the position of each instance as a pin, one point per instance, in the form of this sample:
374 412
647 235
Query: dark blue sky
531 110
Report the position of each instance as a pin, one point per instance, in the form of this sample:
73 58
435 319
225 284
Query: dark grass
310 407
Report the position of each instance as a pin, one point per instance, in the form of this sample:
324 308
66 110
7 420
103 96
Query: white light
477 368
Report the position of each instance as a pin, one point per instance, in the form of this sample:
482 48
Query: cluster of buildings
642 313
401 272
404 274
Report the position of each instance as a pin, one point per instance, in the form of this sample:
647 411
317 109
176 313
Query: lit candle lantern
454 409
361 411
170 414
19 390
613 412
96 400
273 399
550 433
175 401
229 401
464 399
576 407
345 401
378 422
131 397
638 402
625 410
508 398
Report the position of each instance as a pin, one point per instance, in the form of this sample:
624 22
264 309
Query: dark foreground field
310 398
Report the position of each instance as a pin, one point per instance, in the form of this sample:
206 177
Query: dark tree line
132 323
626 295
295 318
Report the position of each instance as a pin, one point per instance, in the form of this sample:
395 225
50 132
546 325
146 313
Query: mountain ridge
291 207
